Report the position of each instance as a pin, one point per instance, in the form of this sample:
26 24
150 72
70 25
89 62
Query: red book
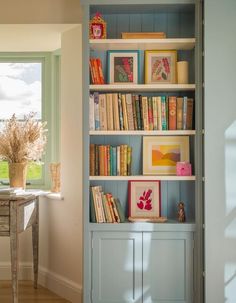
172 113
91 71
100 73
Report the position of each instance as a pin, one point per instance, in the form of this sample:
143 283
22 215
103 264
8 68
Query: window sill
54 196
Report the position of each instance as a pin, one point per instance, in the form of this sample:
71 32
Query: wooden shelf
141 87
142 133
142 44
141 177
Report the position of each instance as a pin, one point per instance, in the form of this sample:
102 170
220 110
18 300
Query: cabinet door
117 267
167 267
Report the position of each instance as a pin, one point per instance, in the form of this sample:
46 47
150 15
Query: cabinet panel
117 267
167 267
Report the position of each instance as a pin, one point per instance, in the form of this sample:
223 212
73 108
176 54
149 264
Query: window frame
50 105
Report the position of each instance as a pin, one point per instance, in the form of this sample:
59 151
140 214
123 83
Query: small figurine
97 27
181 212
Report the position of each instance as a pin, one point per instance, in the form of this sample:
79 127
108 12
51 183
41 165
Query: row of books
95 66
104 207
117 111
107 160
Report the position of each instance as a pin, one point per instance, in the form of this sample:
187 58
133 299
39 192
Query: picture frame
97 27
160 66
144 200
161 154
123 66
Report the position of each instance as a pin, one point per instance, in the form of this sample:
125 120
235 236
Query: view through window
20 94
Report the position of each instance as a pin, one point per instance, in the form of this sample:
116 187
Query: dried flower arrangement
22 141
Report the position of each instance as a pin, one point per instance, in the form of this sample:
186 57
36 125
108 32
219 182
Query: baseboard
25 271
58 284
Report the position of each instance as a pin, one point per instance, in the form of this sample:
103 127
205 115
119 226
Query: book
109 108
172 113
129 160
116 114
185 101
129 108
138 112
91 113
124 110
134 112
150 114
96 111
92 160
121 120
120 210
155 117
145 113
143 35
102 112
189 117
159 113
179 113
118 160
163 113
100 72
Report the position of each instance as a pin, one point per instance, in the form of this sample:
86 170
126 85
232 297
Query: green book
92 210
120 210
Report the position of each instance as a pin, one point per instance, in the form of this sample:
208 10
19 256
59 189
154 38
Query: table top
24 195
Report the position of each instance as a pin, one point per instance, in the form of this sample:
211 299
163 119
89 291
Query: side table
17 213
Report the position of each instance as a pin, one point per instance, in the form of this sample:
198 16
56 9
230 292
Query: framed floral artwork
161 154
144 199
160 66
123 66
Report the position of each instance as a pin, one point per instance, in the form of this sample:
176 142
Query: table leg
35 241
14 244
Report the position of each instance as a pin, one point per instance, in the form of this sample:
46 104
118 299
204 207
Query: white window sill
54 196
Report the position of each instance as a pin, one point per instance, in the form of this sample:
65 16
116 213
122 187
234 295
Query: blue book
114 161
163 113
111 160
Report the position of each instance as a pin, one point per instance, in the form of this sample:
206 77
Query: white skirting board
60 285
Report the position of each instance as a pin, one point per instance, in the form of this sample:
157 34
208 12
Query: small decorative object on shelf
181 212
97 27
144 199
183 169
123 66
160 66
55 170
182 72
143 35
22 142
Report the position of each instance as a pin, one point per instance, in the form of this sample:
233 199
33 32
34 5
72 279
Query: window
29 83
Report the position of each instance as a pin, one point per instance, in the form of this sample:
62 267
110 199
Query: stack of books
107 160
117 111
96 72
105 208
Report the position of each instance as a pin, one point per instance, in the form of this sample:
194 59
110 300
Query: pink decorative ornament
183 169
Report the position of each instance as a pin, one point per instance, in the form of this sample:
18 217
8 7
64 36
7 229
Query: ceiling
31 37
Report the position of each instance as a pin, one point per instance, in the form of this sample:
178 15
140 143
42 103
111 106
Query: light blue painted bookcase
146 262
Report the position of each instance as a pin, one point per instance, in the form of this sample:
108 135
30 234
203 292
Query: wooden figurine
97 27
181 212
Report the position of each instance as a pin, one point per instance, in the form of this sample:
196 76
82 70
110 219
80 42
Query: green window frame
50 106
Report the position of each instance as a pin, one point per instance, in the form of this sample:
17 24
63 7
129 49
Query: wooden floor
27 293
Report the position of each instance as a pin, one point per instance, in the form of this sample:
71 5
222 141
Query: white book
91 113
102 111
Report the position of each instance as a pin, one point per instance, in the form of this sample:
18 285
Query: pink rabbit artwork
145 200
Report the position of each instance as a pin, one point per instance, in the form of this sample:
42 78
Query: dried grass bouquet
22 141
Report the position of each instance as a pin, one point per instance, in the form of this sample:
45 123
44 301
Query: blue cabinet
150 267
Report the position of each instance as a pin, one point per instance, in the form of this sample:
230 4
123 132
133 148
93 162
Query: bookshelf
146 244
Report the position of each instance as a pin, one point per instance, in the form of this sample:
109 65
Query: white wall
220 147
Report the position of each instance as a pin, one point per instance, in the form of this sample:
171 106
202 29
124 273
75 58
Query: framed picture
160 154
123 66
144 199
160 66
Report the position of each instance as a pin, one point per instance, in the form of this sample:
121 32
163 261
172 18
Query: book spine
114 161
107 169
125 148
115 211
91 113
102 112
163 113
108 195
118 171
120 210
189 118
122 160
92 209
150 114
179 113
101 213
94 192
97 169
159 113
141 111
96 71
172 113
101 161
111 161
92 160
130 115
116 116
100 72
96 111
145 113
106 209
185 100
121 120
134 112
129 160
138 113
154 104
109 108
124 109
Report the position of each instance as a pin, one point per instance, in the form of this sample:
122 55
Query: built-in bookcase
181 21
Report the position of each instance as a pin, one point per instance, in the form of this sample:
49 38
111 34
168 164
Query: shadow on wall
230 215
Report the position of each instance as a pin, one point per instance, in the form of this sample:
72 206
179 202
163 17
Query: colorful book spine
172 113
97 171
138 112
129 160
120 112
96 111
145 113
154 104
92 160
150 114
189 118
102 112
129 108
179 113
100 72
116 115
185 101
114 161
109 108
159 113
111 161
91 113
163 113
125 115
118 160
134 112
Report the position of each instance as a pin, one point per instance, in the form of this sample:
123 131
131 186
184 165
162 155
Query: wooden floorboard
27 293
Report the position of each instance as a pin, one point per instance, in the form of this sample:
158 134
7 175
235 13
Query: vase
55 169
17 174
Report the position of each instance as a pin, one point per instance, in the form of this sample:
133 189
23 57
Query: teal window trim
50 105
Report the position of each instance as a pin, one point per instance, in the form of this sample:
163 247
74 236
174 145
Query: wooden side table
16 215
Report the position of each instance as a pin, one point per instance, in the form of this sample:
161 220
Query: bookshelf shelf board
142 44
143 133
170 225
141 87
141 177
